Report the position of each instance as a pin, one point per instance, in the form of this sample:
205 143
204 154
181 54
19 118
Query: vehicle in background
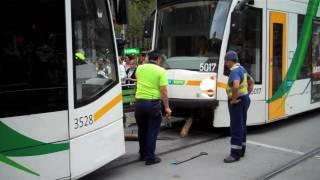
277 42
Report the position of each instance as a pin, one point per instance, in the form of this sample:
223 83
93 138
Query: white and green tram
60 94
278 42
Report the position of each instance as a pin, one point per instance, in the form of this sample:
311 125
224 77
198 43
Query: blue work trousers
238 125
148 116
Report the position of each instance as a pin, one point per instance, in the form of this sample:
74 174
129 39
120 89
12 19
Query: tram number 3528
83 121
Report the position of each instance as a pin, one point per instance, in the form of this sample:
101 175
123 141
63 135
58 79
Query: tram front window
94 52
191 33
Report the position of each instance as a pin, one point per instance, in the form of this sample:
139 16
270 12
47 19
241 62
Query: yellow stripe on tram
107 107
193 83
197 83
222 85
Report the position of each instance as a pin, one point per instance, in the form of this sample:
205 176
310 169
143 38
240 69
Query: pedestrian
240 85
126 62
152 81
144 58
101 71
131 72
122 71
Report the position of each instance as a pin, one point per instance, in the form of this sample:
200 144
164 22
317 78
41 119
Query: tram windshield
191 33
93 50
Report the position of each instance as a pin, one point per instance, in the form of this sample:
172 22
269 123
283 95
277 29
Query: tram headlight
208 86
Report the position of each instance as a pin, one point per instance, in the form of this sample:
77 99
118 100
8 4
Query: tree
138 10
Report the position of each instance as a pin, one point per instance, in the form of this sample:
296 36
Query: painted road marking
279 148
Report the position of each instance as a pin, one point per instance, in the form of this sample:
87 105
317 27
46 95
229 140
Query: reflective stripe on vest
236 147
243 88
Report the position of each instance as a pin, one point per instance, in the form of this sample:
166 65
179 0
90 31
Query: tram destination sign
128 51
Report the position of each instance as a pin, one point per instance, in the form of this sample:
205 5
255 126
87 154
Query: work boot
242 154
243 151
142 158
230 159
153 161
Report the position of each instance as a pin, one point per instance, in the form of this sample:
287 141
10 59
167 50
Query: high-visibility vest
80 56
243 85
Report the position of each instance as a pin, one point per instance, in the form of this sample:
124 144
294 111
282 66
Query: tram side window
246 40
33 75
94 51
306 67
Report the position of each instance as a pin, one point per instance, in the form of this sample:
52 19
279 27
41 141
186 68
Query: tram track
290 164
134 158
193 144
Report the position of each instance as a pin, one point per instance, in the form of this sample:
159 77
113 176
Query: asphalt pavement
269 148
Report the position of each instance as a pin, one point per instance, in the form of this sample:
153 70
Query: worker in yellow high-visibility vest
240 85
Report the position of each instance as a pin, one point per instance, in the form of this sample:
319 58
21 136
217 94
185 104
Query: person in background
143 59
202 49
131 72
101 71
126 62
240 85
122 72
152 81
108 67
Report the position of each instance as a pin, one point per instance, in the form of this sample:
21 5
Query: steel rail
291 164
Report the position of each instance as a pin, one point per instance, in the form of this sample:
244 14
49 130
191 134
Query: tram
61 110
278 42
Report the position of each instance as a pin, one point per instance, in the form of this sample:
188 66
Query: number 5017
208 67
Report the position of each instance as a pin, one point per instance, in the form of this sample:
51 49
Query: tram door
277 62
95 98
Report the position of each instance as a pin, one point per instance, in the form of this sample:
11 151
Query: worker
152 81
80 58
80 55
240 85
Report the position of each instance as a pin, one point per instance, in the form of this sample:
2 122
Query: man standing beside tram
240 85
152 81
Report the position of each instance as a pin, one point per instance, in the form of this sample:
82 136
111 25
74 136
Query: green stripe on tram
16 165
12 142
176 82
299 56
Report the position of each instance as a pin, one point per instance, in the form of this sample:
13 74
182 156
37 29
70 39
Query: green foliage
138 10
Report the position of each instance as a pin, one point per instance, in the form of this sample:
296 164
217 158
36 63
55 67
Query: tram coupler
186 127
